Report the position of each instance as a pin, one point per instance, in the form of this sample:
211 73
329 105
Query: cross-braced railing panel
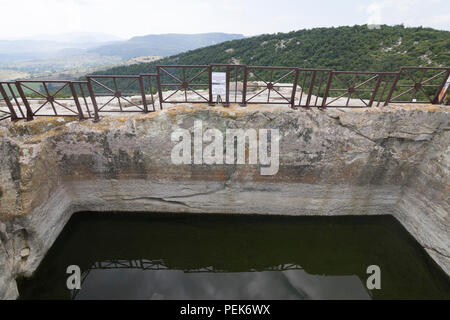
419 85
183 83
352 89
49 98
117 93
271 85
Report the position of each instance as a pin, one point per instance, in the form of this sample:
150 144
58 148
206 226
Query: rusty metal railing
311 87
183 79
149 83
105 90
236 83
11 107
290 86
29 98
418 85
269 85
362 87
52 99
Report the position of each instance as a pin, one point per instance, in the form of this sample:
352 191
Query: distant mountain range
162 44
73 54
51 46
76 37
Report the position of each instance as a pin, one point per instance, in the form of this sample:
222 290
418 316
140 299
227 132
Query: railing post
236 77
391 90
8 103
227 87
158 80
210 95
144 99
94 101
244 88
327 89
375 90
294 88
150 85
311 88
25 101
77 102
84 98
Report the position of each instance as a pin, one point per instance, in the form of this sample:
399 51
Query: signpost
219 85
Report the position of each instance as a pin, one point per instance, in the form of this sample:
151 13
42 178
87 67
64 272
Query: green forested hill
343 48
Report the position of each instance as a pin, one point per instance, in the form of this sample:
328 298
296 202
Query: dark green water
168 256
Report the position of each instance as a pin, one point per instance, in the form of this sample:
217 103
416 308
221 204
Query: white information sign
219 83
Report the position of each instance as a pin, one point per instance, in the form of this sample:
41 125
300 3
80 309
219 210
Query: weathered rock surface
392 160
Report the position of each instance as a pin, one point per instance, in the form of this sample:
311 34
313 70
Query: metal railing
183 79
290 86
420 85
51 95
364 87
10 103
270 84
236 83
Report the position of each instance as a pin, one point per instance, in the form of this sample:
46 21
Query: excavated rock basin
179 256
388 161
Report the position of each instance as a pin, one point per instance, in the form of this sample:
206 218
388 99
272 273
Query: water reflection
156 283
234 257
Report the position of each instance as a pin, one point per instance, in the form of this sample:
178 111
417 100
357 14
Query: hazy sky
127 18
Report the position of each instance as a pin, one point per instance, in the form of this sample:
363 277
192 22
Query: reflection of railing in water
144 264
130 264
294 87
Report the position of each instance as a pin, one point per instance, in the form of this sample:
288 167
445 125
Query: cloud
439 21
127 18
378 10
374 12
409 13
